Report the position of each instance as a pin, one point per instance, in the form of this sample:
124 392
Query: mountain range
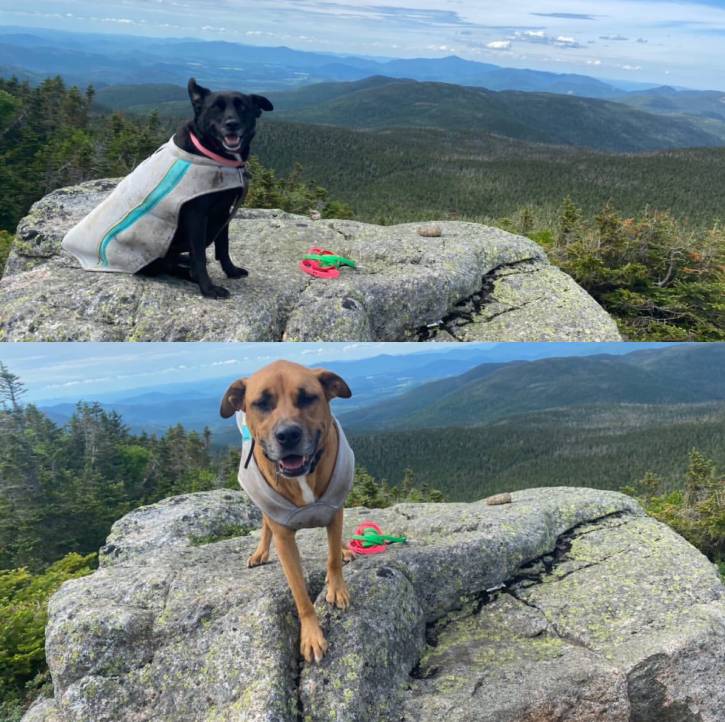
111 59
688 374
450 93
474 420
381 102
196 404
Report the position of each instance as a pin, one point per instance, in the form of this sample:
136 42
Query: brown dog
294 454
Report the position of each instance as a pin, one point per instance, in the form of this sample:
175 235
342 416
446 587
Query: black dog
225 123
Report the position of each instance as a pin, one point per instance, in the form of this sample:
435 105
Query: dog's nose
288 435
232 125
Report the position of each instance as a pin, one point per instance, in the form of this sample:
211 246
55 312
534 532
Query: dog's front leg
221 251
337 593
312 641
195 228
261 553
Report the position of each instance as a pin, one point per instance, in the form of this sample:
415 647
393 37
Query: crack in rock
468 309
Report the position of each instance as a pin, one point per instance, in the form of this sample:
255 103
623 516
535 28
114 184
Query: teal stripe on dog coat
169 182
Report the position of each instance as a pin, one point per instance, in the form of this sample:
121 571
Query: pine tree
699 480
570 222
12 389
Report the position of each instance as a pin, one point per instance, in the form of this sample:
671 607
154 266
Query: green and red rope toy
369 539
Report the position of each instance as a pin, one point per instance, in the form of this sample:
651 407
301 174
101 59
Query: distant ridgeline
639 232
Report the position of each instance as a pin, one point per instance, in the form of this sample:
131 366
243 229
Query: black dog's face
226 119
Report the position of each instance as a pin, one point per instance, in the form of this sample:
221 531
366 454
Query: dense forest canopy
605 448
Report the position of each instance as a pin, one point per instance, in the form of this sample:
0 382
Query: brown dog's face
288 411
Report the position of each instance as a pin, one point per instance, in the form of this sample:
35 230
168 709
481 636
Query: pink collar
214 156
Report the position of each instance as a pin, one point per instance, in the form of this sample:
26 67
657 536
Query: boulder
566 604
472 282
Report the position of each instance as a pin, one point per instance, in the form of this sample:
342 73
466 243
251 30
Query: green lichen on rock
230 531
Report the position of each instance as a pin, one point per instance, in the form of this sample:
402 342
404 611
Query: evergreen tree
11 389
570 222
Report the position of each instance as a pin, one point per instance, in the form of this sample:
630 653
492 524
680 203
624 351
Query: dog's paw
215 292
236 272
257 559
313 644
338 595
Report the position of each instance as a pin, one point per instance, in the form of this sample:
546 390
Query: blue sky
73 370
675 42
63 371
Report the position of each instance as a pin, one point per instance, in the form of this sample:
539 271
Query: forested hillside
600 420
606 447
398 175
535 117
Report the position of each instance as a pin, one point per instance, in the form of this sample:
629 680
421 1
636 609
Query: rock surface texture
567 604
471 283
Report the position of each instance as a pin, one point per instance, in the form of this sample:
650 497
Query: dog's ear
333 385
233 399
262 103
197 93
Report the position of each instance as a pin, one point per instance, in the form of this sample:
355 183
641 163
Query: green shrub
23 615
6 242
660 281
696 509
378 494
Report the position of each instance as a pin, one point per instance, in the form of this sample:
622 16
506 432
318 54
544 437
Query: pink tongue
292 462
231 139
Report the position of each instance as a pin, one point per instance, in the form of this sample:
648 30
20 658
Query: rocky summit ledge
567 604
473 283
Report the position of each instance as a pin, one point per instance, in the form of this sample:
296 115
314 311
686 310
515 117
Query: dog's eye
263 403
305 399
220 104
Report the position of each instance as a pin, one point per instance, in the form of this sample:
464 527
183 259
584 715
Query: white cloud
539 37
499 45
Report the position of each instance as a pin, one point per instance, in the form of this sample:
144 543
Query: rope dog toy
369 539
330 260
321 263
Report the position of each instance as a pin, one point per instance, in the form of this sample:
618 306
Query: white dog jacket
136 223
319 512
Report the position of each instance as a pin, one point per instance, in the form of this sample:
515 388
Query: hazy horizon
66 371
663 42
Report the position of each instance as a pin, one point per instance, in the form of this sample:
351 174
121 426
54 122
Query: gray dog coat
318 513
135 224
